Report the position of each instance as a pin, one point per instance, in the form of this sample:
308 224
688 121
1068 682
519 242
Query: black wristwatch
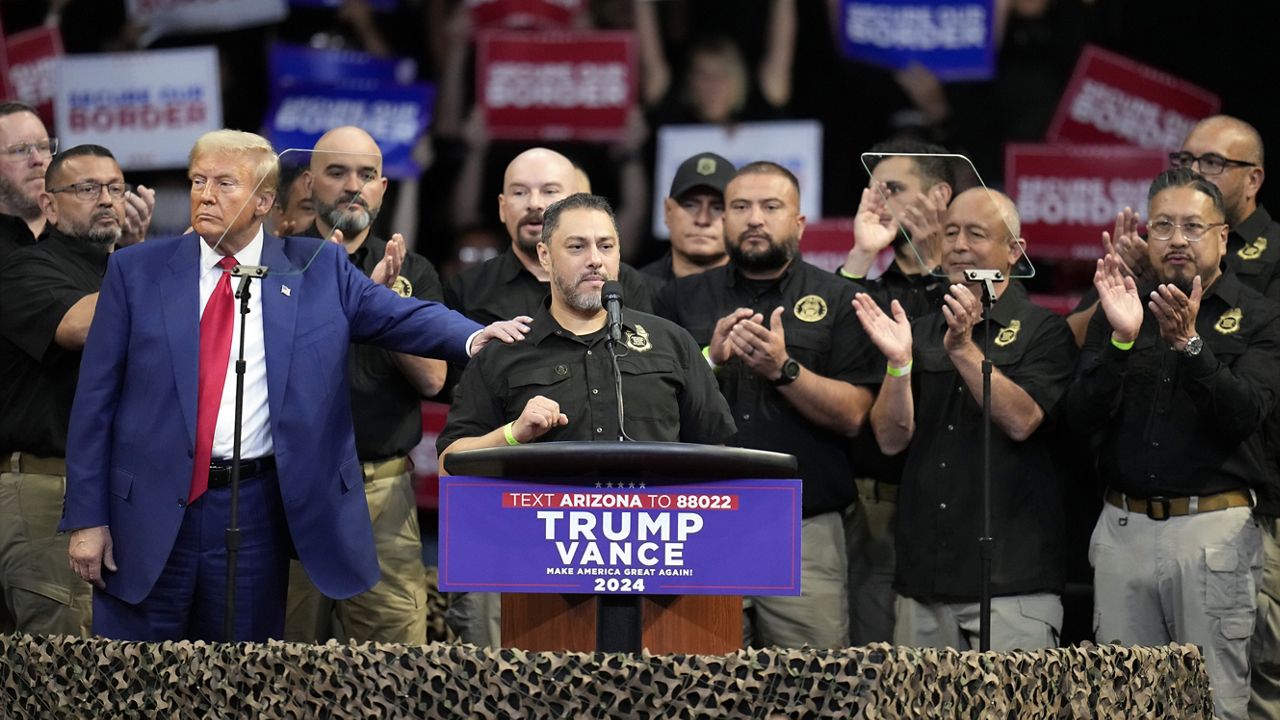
790 371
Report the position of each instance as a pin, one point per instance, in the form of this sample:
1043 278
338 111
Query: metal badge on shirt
402 286
1230 320
639 340
811 308
1009 334
1253 250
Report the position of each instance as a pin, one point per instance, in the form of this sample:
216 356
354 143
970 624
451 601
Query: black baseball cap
706 169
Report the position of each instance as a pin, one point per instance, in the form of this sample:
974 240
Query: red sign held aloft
30 67
561 86
1067 195
1114 100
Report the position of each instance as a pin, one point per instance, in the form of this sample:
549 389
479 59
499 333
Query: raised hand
762 349
1175 312
539 416
874 227
962 311
1126 243
891 334
388 268
138 208
1118 296
720 349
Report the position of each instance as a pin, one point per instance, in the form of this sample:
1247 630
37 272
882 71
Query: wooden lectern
702 624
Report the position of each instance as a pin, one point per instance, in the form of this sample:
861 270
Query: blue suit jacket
132 433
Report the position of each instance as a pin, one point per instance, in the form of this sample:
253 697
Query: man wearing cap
694 216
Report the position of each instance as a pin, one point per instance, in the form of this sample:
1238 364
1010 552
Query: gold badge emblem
811 308
639 340
706 166
402 286
1009 334
1229 322
1253 250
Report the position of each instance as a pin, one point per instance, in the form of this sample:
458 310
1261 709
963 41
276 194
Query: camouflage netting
43 677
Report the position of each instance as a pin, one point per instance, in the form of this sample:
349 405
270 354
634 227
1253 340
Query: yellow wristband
706 353
1122 345
506 433
892 371
850 276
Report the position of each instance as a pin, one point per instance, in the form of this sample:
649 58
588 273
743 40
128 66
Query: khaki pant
819 616
1264 651
394 610
1188 579
42 596
1018 622
868 534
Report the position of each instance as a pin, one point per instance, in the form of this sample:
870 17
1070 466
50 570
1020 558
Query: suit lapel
180 300
279 315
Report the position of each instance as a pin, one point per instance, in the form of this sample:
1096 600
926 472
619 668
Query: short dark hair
86 150
765 167
13 107
932 170
1188 178
289 174
576 201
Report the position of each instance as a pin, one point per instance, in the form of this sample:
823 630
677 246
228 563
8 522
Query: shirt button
942 465
182 502
951 427
746 416
595 391
1155 443
562 370
959 388
599 430
1152 476
588 352
942 506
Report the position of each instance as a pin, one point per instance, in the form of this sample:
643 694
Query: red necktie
216 326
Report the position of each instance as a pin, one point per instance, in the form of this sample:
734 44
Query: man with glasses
1176 379
25 150
48 292
1229 153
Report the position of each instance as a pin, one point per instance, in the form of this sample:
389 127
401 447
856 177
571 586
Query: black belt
220 470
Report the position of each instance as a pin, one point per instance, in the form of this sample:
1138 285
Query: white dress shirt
256 426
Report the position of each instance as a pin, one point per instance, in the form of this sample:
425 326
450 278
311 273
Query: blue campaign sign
395 115
298 64
952 38
720 537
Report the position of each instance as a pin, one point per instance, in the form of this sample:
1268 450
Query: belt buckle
1162 502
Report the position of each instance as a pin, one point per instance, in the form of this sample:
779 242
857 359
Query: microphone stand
246 273
986 543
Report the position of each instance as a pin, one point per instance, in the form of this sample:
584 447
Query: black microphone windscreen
612 289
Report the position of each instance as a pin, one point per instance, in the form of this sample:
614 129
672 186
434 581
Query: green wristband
1122 345
903 371
849 276
706 353
506 433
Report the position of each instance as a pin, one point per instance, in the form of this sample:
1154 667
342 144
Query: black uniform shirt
823 335
661 269
940 504
1253 253
38 285
501 288
385 407
14 234
1174 425
668 391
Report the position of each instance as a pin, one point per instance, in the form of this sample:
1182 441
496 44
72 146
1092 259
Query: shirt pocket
650 387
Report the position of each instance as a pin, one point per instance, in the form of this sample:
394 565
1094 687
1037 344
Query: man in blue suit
152 425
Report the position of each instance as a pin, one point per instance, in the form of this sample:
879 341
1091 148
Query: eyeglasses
22 151
1162 230
1210 163
90 190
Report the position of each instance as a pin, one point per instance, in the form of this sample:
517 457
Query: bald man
346 185
939 402
1228 152
515 283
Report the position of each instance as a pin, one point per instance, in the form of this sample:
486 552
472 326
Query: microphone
611 298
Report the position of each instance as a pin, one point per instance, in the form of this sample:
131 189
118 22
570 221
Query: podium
702 624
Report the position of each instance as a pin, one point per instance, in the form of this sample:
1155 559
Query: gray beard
104 237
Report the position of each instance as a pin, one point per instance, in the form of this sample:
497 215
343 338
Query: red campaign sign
1068 194
556 86
426 467
31 59
1114 100
826 243
486 14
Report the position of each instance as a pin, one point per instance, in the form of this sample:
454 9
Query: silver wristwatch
1194 346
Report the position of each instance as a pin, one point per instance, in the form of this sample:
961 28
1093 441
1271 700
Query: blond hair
266 172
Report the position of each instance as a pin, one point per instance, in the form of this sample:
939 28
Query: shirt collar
510 266
545 325
250 254
1253 226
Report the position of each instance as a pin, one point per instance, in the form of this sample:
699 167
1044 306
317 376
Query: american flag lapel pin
285 291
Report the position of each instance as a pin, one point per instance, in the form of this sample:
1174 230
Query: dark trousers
188 601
